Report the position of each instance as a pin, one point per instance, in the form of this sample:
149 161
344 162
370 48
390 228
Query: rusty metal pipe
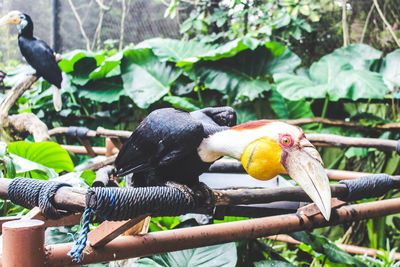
23 243
171 240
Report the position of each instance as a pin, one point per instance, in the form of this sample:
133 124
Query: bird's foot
205 197
201 194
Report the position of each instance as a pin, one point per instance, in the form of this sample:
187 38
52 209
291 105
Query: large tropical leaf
323 245
67 64
25 167
187 52
106 90
145 78
391 69
184 103
217 255
244 76
286 109
334 77
49 154
360 56
109 67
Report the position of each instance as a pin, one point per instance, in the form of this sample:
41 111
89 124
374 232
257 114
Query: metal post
23 243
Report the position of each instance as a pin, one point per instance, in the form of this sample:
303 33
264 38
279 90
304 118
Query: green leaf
24 166
245 75
10 168
332 76
360 56
217 255
145 78
106 90
391 69
286 109
48 154
274 263
67 64
108 68
188 52
184 103
323 245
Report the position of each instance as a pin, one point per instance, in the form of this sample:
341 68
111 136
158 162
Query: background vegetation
283 59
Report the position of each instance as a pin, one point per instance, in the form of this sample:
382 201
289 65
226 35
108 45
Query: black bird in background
36 52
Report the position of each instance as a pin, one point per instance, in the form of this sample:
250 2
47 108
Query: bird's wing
162 138
41 57
215 119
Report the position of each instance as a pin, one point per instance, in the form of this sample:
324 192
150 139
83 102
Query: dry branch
386 23
17 127
78 19
387 126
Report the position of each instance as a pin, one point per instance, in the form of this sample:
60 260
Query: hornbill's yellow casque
174 145
36 52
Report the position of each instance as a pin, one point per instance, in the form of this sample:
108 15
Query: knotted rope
116 204
31 193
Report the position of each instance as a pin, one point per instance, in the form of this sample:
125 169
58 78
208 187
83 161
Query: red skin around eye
287 136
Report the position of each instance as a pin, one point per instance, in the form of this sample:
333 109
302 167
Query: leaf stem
199 97
324 109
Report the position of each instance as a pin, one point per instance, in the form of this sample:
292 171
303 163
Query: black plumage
37 53
164 146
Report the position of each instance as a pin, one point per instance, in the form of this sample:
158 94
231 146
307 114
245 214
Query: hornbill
178 146
36 52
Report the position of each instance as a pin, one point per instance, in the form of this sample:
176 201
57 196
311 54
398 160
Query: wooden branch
386 23
82 150
17 127
387 126
112 133
73 199
78 19
15 93
102 6
343 141
366 23
29 123
345 26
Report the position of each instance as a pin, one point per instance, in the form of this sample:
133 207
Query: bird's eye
286 140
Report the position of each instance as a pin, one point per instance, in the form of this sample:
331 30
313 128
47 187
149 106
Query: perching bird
36 52
174 145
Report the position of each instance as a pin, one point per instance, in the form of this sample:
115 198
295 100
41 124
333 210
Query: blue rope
80 244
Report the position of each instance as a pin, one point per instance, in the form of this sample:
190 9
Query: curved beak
305 166
10 18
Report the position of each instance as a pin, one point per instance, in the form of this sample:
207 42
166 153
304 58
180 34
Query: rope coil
31 193
367 186
116 204
77 131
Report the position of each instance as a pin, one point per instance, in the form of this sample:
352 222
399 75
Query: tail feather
57 98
